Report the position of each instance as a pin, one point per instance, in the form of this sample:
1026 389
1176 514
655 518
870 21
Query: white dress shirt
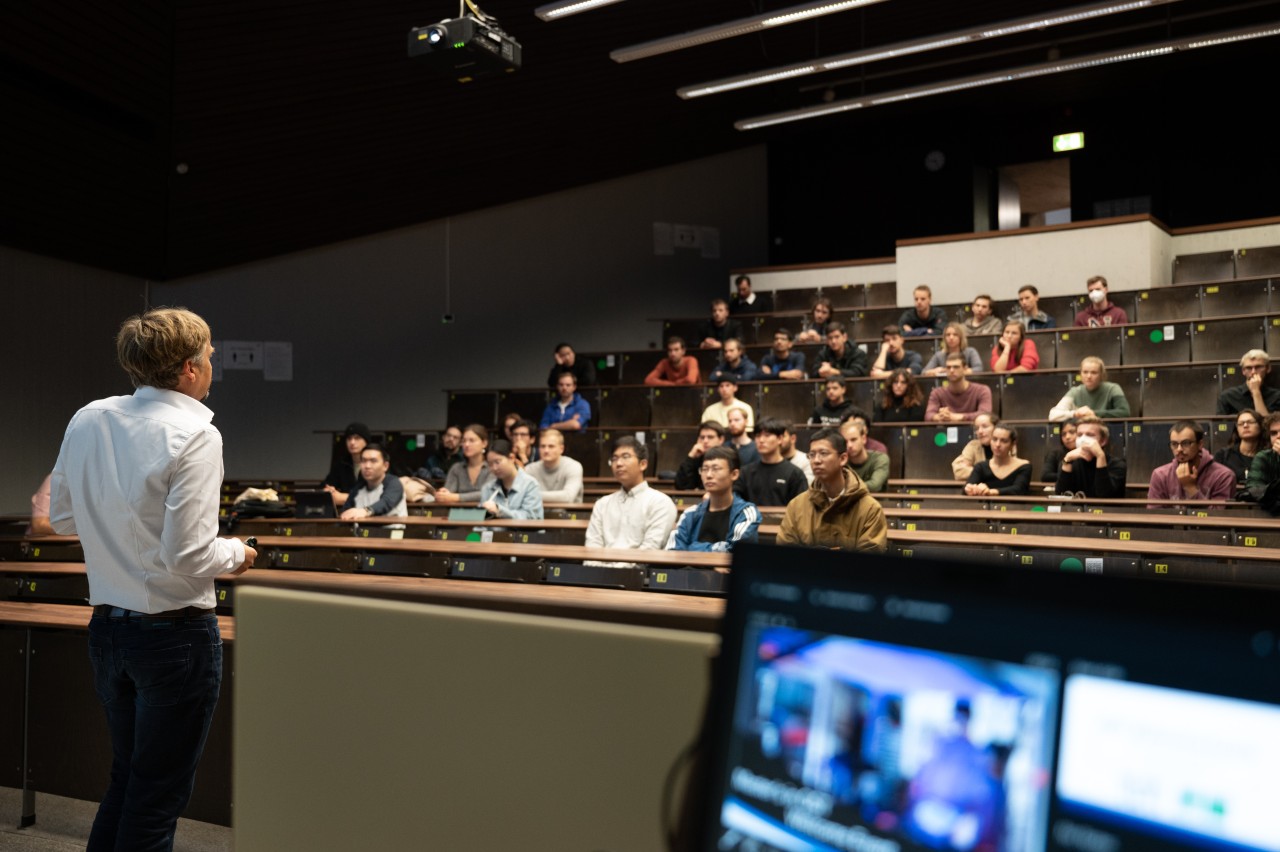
639 519
138 479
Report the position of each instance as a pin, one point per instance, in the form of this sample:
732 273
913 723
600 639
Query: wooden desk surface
681 612
71 617
568 552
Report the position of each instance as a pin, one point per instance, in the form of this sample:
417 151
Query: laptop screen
870 704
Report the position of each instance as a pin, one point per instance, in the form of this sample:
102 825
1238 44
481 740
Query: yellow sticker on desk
1013 530
1125 535
1151 374
31 586
1131 332
364 533
555 570
372 561
1009 380
1137 427
1211 289
1144 295
1066 335
1028 560
660 577
1161 568
462 566
284 557
1199 326
911 527
1250 541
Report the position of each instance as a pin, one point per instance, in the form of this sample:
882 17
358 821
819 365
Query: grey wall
364 316
58 352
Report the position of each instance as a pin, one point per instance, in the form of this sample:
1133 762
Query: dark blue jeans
159 684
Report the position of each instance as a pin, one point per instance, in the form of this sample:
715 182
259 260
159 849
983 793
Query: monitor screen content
875 705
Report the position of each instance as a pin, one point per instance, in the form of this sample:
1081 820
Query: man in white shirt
635 517
559 476
138 479
727 387
375 493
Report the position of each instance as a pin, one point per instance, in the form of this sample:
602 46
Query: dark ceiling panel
302 122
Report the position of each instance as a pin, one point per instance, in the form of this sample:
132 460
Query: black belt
120 613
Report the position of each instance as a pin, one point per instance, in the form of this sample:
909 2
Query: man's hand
766 369
1083 411
249 555
490 507
354 514
825 369
1188 478
560 360
696 451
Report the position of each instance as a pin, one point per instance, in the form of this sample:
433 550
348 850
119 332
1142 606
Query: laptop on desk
868 703
313 505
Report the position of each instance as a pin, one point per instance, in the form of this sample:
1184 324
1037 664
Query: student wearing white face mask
1101 311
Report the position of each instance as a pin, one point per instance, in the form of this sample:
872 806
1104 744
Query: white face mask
1096 296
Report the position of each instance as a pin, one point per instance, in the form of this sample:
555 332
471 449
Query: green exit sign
1068 142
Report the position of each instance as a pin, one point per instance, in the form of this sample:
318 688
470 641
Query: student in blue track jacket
723 519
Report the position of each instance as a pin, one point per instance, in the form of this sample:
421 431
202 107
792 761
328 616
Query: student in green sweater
1095 397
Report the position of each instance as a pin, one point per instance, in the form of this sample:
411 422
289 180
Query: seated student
446 454
770 481
958 400
678 368
1254 394
735 363
1004 473
567 361
737 435
569 412
1263 480
511 493
559 476
837 511
377 493
39 524
1014 352
901 399
635 517
923 318
871 466
893 355
782 362
1028 311
1101 312
524 451
954 339
814 327
1246 442
468 478
1193 474
839 357
981 318
1064 443
344 473
747 301
689 474
1090 469
722 520
978 449
727 387
1093 396
714 332
834 407
509 422
793 455
861 416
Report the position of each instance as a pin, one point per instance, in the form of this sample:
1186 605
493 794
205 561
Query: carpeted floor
63 824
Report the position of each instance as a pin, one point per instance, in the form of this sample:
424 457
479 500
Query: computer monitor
870 704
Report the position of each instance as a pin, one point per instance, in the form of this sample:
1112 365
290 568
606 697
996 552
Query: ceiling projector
465 48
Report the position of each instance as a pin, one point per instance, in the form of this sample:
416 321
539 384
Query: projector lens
435 35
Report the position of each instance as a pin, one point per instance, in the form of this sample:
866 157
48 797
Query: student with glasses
1254 393
722 520
1246 440
635 517
1193 474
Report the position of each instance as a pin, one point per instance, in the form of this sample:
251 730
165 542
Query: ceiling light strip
565 8
1026 72
741 26
922 45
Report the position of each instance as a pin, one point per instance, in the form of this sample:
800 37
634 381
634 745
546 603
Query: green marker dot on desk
1071 564
1157 335
411 444
1039 508
940 439
473 536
